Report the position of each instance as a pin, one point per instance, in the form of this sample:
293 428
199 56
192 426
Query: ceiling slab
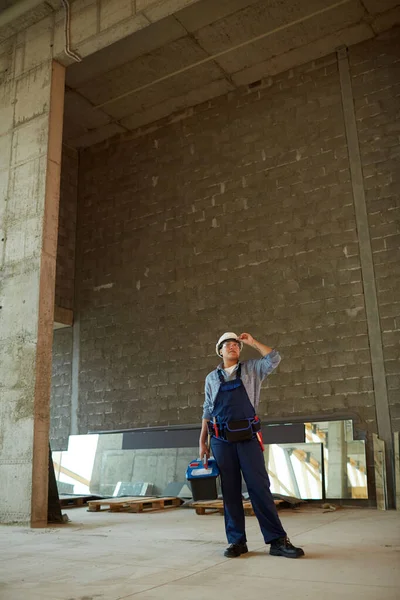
386 20
126 50
204 13
374 7
143 70
158 9
89 119
177 103
77 104
171 87
297 56
256 20
295 36
204 50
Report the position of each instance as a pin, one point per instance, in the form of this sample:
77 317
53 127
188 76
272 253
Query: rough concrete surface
31 108
351 553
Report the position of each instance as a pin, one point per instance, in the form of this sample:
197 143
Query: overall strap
221 377
238 374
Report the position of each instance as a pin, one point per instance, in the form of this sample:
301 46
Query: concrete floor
350 553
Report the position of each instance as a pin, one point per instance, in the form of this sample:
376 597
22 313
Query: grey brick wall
65 271
60 405
376 84
236 215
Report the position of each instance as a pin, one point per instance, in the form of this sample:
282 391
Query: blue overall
233 458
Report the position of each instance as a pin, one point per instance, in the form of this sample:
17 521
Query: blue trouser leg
251 460
231 481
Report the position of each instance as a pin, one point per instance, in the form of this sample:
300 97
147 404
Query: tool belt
235 431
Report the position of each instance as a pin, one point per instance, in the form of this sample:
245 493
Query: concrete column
337 461
31 110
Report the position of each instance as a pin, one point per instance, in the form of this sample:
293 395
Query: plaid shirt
253 372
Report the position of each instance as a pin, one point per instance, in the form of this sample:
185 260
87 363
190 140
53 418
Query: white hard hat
229 335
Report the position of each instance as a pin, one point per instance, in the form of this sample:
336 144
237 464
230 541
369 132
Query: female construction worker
232 394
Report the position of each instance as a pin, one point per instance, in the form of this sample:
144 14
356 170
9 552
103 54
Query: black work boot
283 547
236 550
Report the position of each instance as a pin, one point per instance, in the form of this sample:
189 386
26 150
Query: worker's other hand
247 339
204 450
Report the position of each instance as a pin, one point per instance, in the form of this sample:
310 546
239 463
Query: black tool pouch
238 431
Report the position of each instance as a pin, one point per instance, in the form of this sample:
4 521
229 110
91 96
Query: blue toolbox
203 479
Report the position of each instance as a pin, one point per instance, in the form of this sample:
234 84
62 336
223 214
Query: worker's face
230 350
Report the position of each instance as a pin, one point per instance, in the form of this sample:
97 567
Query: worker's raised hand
247 339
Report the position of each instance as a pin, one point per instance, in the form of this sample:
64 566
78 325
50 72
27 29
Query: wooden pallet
203 507
133 505
73 501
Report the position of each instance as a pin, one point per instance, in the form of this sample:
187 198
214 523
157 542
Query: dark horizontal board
287 433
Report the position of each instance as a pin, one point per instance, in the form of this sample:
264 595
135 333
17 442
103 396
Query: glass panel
295 469
345 461
356 469
73 468
96 464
